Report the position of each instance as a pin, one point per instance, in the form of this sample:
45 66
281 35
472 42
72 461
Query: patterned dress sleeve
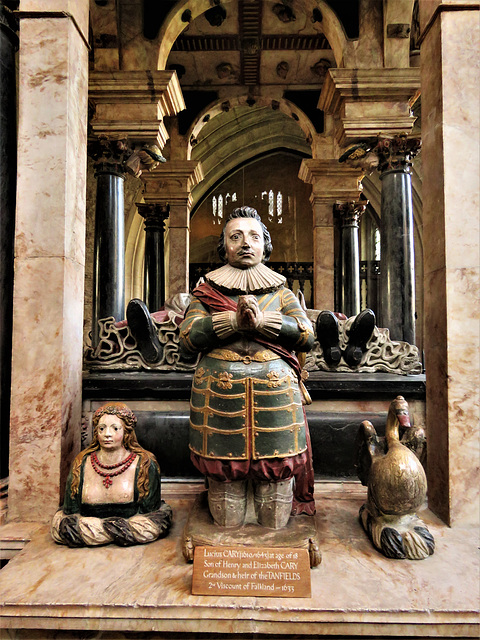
152 501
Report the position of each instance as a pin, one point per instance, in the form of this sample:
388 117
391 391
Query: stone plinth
49 263
147 589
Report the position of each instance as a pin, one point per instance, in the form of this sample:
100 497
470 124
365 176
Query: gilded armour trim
232 356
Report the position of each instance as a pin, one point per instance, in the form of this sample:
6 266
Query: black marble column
109 252
349 214
154 265
8 175
397 281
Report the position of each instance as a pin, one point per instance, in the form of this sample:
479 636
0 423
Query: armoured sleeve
196 331
296 333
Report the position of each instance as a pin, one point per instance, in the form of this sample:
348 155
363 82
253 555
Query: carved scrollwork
382 355
117 349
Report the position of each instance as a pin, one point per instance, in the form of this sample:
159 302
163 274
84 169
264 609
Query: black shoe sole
143 330
327 335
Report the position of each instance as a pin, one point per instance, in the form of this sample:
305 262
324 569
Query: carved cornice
373 85
176 177
134 103
369 101
161 88
330 180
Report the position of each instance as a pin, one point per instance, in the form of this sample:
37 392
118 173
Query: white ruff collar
257 279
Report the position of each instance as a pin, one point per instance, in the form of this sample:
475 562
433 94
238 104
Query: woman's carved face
110 430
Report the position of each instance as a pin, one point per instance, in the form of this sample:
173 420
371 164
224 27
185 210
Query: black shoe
327 335
360 333
143 330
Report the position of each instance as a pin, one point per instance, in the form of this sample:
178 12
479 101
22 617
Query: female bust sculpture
113 489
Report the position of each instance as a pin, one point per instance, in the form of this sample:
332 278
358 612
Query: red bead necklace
108 474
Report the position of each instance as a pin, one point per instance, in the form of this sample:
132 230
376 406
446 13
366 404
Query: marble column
350 214
109 250
8 177
172 183
49 256
330 182
154 261
397 270
450 41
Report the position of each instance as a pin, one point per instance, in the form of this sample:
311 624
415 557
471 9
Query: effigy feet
328 335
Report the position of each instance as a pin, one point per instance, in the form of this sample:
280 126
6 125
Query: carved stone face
110 432
244 243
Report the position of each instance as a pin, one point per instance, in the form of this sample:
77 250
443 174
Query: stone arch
216 108
173 26
237 136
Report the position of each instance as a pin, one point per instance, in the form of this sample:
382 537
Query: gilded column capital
134 103
109 154
122 155
385 153
350 212
396 152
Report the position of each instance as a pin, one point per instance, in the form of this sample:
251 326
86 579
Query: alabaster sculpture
397 485
113 489
246 416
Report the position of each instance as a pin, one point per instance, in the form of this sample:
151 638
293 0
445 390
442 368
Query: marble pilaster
49 250
369 101
330 182
172 184
450 151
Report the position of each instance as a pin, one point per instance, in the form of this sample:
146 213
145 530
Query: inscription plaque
251 571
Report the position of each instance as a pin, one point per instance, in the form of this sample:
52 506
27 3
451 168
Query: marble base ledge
145 591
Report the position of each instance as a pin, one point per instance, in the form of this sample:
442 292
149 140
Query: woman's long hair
130 442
